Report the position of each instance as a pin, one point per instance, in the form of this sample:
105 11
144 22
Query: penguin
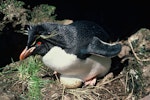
79 50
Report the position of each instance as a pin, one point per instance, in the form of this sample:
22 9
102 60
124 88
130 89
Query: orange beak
26 52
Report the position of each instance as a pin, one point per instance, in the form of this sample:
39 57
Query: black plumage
80 38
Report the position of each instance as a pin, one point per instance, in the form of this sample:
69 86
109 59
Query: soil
131 83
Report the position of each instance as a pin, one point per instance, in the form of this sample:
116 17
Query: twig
106 82
63 92
130 95
126 82
110 93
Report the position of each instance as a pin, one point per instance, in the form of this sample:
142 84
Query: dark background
120 18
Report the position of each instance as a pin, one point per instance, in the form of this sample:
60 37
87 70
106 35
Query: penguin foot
56 75
90 82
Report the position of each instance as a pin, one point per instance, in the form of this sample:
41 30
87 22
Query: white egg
70 82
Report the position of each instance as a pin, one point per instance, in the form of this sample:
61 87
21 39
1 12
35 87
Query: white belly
70 66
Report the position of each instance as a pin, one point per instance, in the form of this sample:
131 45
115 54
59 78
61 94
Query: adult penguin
79 50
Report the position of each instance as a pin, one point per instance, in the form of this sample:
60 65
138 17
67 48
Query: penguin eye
38 43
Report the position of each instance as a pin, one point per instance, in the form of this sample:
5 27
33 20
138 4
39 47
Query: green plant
134 79
8 3
28 73
34 89
28 69
43 13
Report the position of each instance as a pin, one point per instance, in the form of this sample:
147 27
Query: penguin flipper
101 48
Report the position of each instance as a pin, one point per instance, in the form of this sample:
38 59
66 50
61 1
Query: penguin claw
91 82
56 75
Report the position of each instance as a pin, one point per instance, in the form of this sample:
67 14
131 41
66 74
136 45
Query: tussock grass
28 74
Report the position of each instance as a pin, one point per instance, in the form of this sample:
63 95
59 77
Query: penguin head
38 37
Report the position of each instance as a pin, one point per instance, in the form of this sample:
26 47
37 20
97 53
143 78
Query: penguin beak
26 52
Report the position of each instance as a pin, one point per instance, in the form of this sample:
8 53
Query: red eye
39 43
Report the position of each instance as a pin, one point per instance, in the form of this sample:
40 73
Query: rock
124 51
